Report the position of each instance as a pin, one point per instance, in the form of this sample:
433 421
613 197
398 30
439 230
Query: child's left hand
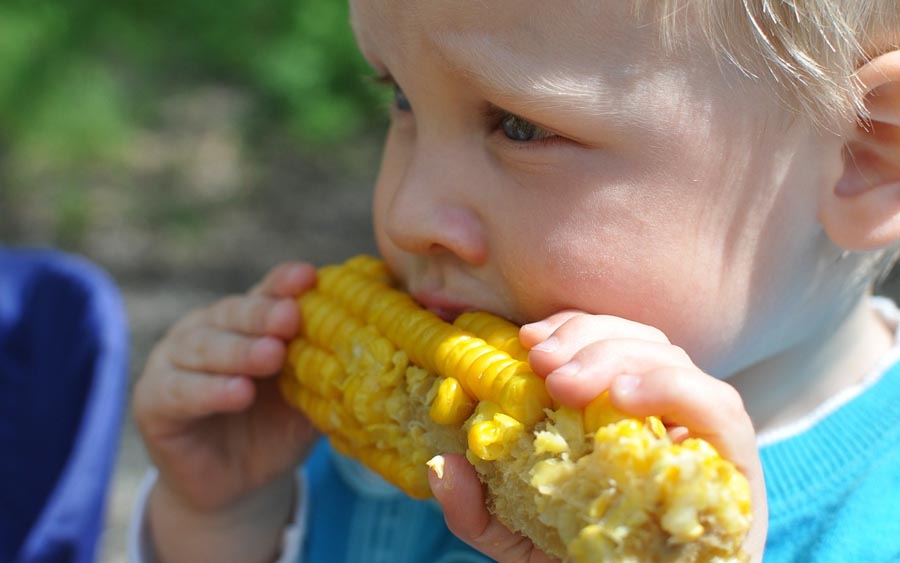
582 355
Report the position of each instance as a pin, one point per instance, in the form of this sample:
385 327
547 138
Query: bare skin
215 425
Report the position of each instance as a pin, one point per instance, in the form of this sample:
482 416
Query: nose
434 207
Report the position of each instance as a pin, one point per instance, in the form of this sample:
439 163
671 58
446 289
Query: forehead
578 58
576 32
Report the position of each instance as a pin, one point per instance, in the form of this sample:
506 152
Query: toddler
685 203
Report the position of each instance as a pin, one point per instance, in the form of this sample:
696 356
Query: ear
862 211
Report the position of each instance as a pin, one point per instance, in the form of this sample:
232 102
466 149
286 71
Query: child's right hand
646 375
209 408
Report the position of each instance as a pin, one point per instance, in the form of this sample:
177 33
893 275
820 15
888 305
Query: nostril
464 234
430 209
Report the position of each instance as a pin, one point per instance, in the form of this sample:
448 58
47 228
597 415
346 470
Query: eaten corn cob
393 385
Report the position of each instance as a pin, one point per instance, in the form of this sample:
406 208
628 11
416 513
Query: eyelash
497 116
387 81
494 115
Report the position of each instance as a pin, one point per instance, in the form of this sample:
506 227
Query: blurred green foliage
77 76
84 83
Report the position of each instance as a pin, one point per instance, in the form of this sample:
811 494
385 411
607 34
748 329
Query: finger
461 495
213 350
185 395
532 333
255 315
286 280
678 434
710 409
573 332
591 369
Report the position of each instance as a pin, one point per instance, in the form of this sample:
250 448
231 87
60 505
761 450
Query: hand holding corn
393 385
225 443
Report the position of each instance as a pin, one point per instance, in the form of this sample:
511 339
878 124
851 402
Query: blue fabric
63 384
834 490
349 526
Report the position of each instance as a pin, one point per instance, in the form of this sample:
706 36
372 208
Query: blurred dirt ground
194 213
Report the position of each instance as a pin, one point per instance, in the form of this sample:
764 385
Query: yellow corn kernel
497 332
452 405
601 412
493 439
370 267
322 372
394 386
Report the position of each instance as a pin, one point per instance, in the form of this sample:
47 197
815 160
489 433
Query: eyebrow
506 78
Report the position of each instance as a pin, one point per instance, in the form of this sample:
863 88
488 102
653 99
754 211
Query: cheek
582 260
380 200
393 163
609 259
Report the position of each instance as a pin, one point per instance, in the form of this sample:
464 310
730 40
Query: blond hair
810 49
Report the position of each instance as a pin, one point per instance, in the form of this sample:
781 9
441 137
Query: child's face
552 156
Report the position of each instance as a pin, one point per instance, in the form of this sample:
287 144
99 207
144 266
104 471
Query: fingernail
264 347
625 384
548 345
234 384
570 369
281 310
294 272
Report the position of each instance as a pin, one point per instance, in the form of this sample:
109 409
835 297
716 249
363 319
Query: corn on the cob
393 385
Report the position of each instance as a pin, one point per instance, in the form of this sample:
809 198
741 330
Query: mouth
444 308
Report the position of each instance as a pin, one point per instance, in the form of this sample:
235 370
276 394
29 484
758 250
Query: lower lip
448 315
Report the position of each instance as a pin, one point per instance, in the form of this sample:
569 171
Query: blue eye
400 100
517 129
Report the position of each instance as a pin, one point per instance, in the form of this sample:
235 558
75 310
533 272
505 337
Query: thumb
461 496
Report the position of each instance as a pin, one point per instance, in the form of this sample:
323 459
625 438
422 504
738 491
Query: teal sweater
834 490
